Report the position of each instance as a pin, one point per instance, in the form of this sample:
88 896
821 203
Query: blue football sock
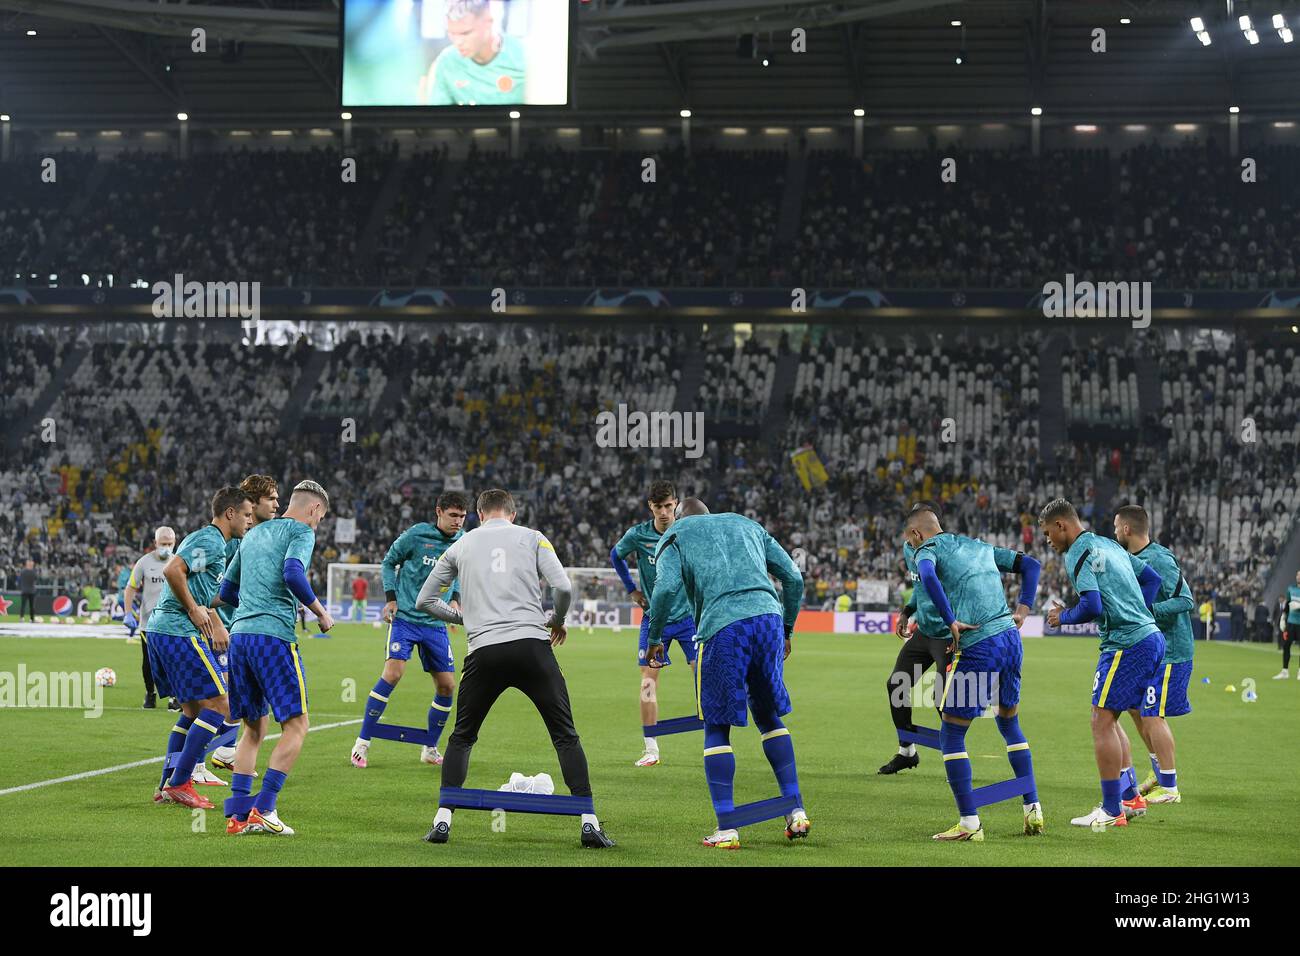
952 741
375 704
270 792
204 728
779 750
1128 786
1022 764
1110 797
719 767
1168 779
438 715
176 743
241 785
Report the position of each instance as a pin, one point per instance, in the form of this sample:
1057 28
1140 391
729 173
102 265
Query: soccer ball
104 677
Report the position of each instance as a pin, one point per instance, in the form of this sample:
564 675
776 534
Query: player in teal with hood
725 564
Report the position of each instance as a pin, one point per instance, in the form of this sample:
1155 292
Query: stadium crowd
146 433
1179 217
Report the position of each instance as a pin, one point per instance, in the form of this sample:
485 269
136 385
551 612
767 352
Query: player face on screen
450 520
664 512
473 36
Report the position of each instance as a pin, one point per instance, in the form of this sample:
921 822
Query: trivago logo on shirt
78 909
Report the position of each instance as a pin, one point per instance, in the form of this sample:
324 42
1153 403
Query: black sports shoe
150 701
899 762
438 833
173 704
594 839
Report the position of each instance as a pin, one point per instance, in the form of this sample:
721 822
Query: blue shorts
742 666
1167 697
683 632
184 667
983 675
266 671
1123 676
432 640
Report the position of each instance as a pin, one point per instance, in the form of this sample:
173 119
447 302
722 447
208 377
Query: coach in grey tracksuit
147 580
499 565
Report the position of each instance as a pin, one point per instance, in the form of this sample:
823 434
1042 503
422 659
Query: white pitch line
142 763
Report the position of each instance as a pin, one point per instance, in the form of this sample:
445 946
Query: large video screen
456 53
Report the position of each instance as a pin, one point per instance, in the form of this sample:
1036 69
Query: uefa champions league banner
189 298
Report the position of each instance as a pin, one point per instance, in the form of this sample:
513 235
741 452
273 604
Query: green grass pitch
1236 764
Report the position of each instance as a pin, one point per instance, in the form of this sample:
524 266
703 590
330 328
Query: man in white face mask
147 581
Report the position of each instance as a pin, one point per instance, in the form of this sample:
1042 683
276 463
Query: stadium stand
1177 217
510 406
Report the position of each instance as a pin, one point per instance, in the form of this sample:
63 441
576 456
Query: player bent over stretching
266 582
722 562
185 635
1117 590
963 577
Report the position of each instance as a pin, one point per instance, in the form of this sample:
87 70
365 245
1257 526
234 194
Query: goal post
338 592
599 598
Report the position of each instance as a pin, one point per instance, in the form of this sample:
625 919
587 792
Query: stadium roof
128 62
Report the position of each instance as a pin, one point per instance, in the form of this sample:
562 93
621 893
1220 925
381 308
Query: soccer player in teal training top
406 565
265 494
265 582
1117 590
1168 696
641 540
723 563
482 66
185 635
963 577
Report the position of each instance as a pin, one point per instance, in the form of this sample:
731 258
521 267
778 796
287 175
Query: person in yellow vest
1207 618
844 603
